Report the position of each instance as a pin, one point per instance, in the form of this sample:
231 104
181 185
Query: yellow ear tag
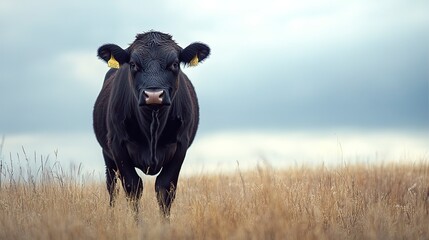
194 61
112 63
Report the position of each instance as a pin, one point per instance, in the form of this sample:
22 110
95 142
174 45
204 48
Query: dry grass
352 202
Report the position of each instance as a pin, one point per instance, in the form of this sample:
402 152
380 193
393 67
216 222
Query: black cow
147 114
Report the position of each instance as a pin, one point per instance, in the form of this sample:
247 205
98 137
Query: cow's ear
113 55
194 54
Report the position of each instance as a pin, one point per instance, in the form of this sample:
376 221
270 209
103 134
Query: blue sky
276 66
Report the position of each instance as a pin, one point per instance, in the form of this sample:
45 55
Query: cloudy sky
288 72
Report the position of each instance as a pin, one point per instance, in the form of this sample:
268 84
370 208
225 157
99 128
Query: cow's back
196 109
100 110
189 107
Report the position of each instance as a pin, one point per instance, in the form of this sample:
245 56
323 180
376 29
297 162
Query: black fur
153 138
105 52
190 51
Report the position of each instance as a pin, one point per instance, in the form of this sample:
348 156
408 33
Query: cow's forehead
154 46
153 36
163 52
154 40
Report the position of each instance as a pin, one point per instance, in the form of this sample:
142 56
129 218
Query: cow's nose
153 96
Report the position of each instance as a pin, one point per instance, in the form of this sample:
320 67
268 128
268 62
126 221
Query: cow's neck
154 132
152 124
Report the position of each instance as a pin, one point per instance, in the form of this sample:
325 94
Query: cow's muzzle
153 97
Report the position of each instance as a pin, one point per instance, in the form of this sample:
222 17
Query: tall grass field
39 200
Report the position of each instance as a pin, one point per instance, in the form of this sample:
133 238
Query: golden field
387 201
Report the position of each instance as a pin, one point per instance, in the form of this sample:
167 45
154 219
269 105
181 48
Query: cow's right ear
113 55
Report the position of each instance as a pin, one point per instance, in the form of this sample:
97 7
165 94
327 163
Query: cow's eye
174 66
133 66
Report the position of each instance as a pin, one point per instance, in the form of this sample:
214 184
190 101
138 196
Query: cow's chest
150 160
149 151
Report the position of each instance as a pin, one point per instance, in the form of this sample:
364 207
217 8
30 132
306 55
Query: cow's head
153 60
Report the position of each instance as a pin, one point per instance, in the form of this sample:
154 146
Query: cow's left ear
113 55
194 54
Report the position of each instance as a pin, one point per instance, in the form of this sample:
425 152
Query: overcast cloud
275 65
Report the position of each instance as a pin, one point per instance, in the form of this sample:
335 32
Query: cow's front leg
131 182
133 186
166 183
111 178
